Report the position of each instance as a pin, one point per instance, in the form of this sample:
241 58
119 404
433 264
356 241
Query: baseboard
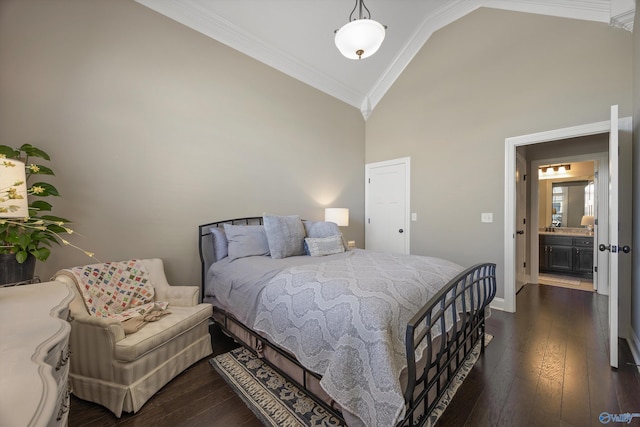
634 345
497 303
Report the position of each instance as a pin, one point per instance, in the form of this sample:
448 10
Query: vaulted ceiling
297 36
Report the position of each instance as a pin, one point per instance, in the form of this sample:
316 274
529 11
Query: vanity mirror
567 203
564 203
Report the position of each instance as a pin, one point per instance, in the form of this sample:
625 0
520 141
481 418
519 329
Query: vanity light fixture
361 37
561 168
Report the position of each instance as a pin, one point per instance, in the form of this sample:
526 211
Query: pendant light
360 37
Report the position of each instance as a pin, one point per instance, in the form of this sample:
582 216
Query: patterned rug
277 402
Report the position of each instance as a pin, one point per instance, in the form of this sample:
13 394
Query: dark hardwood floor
546 366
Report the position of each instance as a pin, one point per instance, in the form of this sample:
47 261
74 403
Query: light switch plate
486 217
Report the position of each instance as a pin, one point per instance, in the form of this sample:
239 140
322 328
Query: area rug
553 280
277 402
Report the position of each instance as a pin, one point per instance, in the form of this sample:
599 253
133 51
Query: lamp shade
588 220
360 38
13 189
339 216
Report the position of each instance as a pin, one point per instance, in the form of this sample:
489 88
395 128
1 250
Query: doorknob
626 249
520 232
401 231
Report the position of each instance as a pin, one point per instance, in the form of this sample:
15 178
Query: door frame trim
407 163
510 193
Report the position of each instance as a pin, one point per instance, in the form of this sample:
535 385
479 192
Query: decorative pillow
316 229
246 240
220 243
321 246
285 235
321 228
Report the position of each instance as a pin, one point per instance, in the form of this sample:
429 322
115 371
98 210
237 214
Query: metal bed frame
464 298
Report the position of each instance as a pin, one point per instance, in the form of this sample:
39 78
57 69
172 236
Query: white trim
634 345
587 10
622 13
217 27
228 33
510 193
498 304
452 11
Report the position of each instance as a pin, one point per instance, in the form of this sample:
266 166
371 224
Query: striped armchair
121 372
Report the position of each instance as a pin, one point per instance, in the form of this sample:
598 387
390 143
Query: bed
374 338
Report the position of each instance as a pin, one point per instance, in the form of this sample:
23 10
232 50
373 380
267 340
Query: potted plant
25 240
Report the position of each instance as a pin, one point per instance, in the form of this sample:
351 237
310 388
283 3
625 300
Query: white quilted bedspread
346 319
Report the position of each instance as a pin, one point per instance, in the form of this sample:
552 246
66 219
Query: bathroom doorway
567 207
563 249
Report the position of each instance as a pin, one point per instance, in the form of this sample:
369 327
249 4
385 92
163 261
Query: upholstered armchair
121 372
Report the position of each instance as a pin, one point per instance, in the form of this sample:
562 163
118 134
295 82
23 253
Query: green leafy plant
39 231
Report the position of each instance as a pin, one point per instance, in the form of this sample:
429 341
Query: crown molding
453 11
622 13
619 13
594 10
218 28
587 10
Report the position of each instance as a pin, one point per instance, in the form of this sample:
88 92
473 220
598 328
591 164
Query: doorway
618 225
387 205
565 198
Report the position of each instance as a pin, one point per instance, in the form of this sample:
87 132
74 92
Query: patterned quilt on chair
117 290
346 320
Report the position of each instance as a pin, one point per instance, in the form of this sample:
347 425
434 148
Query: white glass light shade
338 215
360 38
13 189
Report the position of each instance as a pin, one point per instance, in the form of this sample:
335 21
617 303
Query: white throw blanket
346 320
117 290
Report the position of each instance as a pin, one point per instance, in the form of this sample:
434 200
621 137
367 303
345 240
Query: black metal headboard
205 243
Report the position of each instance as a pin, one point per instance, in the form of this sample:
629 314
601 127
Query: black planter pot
13 272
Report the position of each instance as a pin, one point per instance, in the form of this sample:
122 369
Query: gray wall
490 75
154 129
635 289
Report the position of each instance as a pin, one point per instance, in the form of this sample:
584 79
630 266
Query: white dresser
34 354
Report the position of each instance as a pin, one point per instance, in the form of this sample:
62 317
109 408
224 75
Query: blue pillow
285 235
321 228
220 243
246 240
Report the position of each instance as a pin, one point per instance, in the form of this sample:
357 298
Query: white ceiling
296 36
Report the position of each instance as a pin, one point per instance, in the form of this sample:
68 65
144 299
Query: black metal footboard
458 309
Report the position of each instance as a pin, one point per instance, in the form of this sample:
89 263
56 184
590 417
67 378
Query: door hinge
369 179
595 268
368 220
524 264
524 177
524 220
